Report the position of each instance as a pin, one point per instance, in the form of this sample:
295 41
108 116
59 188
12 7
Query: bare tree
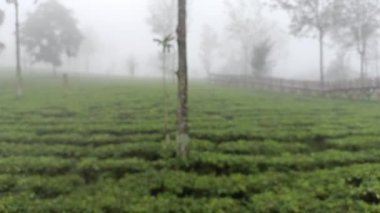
309 17
245 23
132 65
359 22
208 47
182 116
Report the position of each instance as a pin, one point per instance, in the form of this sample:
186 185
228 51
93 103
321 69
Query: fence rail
298 85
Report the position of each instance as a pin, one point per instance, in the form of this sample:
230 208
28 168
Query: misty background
121 31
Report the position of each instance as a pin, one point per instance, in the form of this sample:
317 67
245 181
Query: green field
98 147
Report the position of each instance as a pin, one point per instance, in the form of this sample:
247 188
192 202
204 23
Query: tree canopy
50 33
162 17
358 23
310 17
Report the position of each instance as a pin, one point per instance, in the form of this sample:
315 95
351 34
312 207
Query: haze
121 30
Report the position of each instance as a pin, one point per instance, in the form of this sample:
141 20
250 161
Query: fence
278 84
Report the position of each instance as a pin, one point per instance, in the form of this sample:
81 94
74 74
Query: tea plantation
98 147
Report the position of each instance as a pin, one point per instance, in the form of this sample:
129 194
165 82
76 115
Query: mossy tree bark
182 112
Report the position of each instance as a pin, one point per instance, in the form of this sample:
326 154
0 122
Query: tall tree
310 17
208 47
18 48
359 22
182 116
50 33
166 45
163 20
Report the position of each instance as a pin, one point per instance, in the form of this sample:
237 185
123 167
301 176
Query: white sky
121 27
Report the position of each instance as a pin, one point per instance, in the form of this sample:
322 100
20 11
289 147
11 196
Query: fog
121 31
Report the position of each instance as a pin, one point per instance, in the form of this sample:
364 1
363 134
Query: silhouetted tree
247 25
208 47
261 63
132 66
50 33
309 17
182 116
359 22
339 68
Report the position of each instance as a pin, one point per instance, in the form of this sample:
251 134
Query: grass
98 147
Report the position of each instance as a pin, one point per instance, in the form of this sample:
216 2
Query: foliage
163 17
310 17
51 32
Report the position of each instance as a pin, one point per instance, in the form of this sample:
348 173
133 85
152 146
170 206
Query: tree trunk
362 65
18 51
182 113
321 58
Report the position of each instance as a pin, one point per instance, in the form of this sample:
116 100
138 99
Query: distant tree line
350 23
